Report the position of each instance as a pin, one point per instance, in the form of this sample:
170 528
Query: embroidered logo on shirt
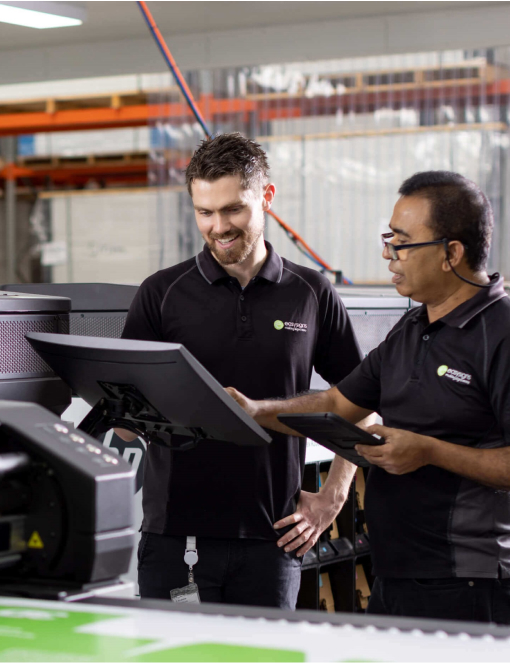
296 326
291 326
452 374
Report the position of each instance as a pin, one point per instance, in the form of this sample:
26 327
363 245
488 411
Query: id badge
188 594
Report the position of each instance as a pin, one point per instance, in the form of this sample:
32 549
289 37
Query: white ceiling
122 20
115 39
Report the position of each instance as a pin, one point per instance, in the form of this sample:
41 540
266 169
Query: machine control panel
74 496
80 447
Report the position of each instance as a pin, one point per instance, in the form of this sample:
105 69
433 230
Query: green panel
33 634
217 652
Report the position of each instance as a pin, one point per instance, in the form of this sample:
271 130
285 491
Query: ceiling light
41 14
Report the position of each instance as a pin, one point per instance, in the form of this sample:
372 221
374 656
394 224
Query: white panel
59 233
468 28
71 87
81 143
114 238
339 193
297 42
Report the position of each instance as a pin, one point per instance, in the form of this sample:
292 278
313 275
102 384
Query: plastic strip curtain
341 136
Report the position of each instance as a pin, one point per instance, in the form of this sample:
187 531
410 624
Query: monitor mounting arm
125 407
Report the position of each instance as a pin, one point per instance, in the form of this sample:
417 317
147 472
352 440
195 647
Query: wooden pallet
455 75
45 162
82 102
390 131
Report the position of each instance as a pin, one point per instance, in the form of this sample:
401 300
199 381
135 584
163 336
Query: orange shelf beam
81 173
63 175
108 118
266 109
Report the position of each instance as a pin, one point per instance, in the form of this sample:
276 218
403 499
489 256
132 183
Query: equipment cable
299 242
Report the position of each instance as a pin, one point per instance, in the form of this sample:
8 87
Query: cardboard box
326 601
362 588
334 534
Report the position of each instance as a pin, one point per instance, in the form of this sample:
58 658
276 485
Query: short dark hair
459 211
226 155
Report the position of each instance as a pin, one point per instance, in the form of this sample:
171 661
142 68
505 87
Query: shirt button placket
243 316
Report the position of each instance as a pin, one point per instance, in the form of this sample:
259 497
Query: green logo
442 370
278 324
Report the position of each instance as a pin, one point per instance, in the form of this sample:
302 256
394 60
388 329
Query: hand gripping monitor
157 390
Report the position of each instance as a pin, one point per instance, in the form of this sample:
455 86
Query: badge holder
188 594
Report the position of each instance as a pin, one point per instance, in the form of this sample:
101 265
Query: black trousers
467 599
238 571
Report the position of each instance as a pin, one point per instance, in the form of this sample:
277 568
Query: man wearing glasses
437 502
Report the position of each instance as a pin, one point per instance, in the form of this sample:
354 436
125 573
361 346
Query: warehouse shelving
470 82
266 106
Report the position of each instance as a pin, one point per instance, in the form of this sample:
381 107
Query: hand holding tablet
333 432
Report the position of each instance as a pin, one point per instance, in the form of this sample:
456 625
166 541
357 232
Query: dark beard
238 254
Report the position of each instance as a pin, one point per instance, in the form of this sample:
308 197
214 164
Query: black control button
244 318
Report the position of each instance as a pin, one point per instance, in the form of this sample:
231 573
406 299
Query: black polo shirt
450 380
263 340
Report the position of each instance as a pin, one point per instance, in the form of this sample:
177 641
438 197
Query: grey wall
463 28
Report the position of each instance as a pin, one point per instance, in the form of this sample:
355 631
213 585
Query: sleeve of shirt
337 351
498 380
363 386
143 322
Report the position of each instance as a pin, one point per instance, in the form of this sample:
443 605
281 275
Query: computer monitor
157 389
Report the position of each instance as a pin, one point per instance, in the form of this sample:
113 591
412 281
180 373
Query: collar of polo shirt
212 271
469 309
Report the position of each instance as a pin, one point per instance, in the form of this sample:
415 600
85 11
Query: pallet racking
470 82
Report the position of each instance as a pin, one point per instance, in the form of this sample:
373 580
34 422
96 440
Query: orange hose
300 240
164 47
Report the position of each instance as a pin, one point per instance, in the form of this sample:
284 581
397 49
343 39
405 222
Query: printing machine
66 534
66 502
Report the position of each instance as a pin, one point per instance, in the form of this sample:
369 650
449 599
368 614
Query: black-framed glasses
393 250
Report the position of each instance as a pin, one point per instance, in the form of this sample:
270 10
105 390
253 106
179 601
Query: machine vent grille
17 358
106 326
372 327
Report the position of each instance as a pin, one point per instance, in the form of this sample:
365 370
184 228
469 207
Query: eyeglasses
393 250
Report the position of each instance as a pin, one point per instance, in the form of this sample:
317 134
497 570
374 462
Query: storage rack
355 92
341 567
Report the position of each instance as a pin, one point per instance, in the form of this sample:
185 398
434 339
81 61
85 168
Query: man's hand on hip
314 513
402 452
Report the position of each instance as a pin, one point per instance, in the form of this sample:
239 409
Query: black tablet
333 432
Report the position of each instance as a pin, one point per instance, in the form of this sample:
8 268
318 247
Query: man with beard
260 323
